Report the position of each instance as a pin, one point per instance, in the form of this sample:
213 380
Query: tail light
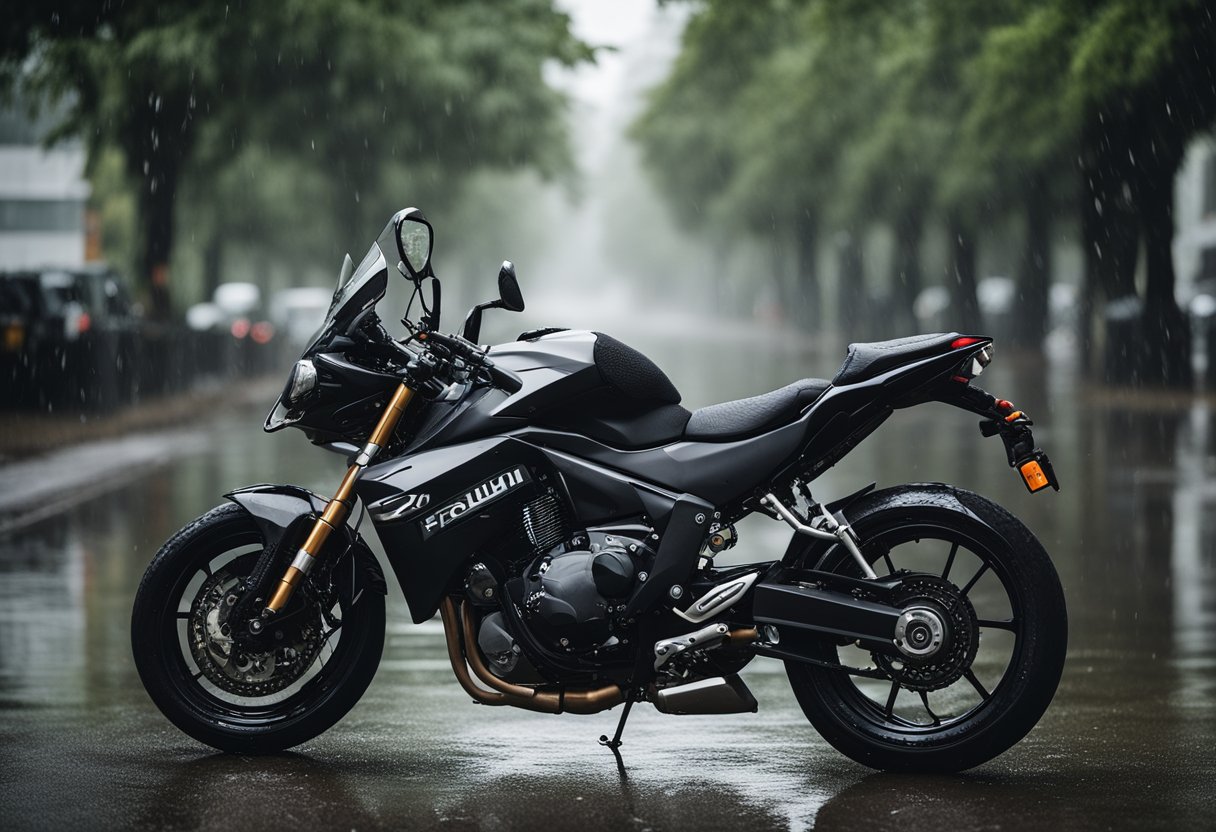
261 332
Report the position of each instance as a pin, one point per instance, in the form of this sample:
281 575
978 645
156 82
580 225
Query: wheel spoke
891 700
979 574
863 672
1010 624
886 556
207 569
924 700
969 675
950 561
196 675
183 614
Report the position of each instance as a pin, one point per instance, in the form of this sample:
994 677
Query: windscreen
365 288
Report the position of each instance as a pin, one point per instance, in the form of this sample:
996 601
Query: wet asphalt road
1130 741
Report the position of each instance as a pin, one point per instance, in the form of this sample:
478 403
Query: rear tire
870 730
226 538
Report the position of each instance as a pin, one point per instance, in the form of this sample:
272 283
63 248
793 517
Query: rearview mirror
508 288
414 241
509 298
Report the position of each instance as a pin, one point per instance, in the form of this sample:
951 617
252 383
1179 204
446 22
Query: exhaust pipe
719 695
503 692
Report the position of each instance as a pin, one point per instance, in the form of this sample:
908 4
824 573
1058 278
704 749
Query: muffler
719 695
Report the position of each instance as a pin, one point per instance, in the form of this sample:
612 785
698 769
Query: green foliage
305 119
864 111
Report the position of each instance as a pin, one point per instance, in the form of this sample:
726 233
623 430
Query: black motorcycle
552 501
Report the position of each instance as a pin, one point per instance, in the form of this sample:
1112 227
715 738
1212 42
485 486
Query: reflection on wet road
1128 741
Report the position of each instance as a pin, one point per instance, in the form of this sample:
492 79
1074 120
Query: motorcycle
551 500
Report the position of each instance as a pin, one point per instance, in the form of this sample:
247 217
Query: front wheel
985 577
309 667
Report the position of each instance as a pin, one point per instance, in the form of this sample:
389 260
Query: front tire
244 708
970 719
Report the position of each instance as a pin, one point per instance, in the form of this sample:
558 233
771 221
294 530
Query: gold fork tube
338 509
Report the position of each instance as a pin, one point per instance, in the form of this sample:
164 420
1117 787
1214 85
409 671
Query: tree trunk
780 277
156 206
961 276
906 277
157 137
807 294
1166 330
1112 242
213 264
851 284
1034 309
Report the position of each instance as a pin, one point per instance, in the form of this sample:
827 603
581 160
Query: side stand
615 742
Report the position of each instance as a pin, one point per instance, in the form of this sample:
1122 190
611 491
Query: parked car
245 337
70 338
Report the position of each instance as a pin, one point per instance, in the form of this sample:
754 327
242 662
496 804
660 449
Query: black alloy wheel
306 672
992 599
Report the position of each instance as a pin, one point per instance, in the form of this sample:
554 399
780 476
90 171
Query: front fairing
352 302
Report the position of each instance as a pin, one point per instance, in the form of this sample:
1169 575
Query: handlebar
500 378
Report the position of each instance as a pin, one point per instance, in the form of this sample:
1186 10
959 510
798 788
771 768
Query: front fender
275 507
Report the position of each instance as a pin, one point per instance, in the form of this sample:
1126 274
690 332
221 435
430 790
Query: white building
43 194
1195 219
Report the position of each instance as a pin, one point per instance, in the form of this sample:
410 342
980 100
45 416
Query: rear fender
274 508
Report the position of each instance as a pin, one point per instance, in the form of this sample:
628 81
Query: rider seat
747 417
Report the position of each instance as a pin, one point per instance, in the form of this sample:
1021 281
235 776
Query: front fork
338 509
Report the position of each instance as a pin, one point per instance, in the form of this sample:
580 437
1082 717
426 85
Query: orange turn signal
1032 474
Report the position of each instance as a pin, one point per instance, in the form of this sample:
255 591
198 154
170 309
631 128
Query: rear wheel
984 608
299 677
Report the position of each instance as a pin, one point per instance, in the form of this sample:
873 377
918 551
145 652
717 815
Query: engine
571 597
572 594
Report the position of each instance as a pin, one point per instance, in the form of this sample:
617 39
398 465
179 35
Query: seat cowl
747 417
865 361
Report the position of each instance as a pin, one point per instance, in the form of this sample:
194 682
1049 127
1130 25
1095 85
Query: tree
962 111
374 91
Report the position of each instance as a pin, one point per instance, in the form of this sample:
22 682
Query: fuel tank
592 384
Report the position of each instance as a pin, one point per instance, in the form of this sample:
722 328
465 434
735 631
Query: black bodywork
580 454
574 437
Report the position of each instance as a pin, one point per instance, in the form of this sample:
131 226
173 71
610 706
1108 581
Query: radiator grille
544 524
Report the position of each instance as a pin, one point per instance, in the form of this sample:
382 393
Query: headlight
302 382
